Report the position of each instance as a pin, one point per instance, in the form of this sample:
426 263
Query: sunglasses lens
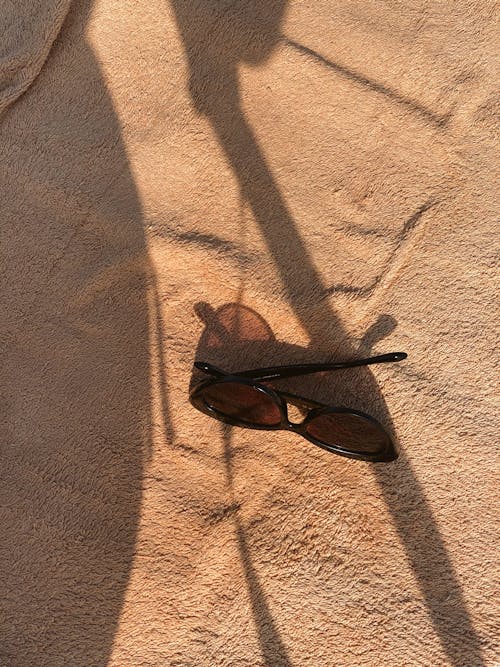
243 403
351 432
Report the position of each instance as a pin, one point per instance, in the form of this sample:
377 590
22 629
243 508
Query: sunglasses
245 399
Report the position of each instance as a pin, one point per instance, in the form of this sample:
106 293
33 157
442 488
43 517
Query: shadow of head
218 37
241 31
254 29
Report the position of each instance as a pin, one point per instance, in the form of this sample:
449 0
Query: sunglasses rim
386 454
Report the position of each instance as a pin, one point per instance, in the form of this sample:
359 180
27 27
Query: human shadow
76 327
217 40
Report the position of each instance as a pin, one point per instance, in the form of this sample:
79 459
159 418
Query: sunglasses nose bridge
296 426
290 425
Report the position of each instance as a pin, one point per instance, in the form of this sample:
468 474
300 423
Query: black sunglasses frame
252 377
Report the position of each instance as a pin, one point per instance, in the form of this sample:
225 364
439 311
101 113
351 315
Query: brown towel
245 183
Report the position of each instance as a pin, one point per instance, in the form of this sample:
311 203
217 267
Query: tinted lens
243 403
348 431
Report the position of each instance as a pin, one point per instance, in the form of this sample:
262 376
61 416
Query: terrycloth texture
245 183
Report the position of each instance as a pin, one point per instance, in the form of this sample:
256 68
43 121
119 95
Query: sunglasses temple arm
283 372
209 369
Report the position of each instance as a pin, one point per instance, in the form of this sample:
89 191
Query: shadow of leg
75 281
216 43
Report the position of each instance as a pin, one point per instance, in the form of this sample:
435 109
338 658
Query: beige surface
245 182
